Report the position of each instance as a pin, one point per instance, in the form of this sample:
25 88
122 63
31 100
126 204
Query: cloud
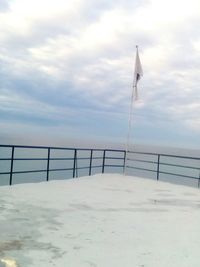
4 5
76 59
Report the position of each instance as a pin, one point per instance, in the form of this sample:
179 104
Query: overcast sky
66 71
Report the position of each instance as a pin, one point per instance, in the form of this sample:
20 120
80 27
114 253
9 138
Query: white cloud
70 42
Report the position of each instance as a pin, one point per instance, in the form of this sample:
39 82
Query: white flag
138 73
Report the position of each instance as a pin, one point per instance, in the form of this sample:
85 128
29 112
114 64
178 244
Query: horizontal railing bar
97 166
73 158
166 164
70 169
181 157
22 159
60 159
113 158
142 169
137 160
164 155
168 173
63 148
100 166
79 168
181 175
32 171
140 160
143 153
174 165
82 168
64 169
97 149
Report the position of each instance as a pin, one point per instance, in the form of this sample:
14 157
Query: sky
66 72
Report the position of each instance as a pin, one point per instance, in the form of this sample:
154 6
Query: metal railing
73 158
103 160
165 164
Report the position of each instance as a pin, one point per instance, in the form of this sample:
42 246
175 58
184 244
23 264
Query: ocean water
64 159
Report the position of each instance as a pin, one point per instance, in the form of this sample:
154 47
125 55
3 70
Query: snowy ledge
101 220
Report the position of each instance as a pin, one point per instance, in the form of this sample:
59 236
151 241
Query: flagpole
134 89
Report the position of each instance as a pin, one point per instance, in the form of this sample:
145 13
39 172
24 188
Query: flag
138 73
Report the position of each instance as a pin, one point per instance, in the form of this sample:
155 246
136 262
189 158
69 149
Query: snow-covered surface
102 220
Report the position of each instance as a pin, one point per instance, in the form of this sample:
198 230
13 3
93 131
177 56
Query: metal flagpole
137 75
129 128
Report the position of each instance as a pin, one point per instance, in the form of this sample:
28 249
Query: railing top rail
65 148
102 149
164 155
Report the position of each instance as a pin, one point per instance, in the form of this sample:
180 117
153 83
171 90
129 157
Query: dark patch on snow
10 245
176 202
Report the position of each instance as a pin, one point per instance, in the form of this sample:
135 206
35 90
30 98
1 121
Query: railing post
124 162
11 165
74 168
103 164
90 168
158 167
48 158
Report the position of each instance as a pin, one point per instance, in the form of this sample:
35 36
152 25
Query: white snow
102 220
